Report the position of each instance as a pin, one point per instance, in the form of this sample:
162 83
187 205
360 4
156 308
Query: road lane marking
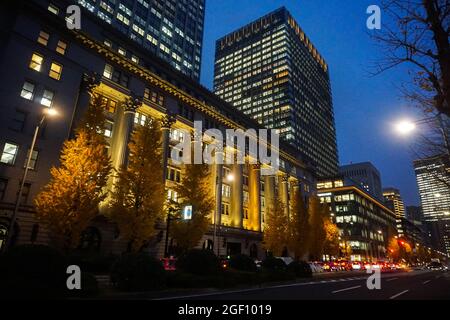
398 294
391 279
425 282
346 289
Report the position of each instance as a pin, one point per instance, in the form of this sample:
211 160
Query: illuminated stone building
46 65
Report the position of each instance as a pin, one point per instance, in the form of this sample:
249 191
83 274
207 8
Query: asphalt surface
411 285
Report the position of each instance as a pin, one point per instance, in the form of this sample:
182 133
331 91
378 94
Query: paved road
420 285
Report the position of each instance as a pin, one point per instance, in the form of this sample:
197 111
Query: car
435 266
169 264
356 265
316 267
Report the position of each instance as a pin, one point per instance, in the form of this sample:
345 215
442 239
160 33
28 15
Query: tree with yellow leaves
299 228
331 246
194 190
69 202
318 213
138 194
276 229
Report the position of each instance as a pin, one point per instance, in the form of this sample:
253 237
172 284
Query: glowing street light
46 112
230 177
405 127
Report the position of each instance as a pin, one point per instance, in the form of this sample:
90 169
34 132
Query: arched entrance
91 239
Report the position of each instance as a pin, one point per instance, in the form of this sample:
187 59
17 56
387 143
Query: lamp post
47 112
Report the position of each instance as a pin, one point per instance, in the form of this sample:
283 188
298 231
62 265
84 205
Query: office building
366 175
414 214
171 29
271 71
44 65
393 201
433 180
365 224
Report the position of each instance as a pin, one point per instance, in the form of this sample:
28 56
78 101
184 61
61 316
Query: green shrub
242 262
137 272
93 262
300 268
199 262
33 271
272 264
89 286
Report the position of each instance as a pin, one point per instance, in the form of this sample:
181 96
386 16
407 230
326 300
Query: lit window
55 71
43 38
53 9
47 98
135 59
27 90
140 118
108 71
108 129
226 191
9 153
61 47
110 105
36 62
107 43
33 159
122 51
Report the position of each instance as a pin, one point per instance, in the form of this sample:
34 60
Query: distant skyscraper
270 70
366 176
433 181
393 200
172 29
414 214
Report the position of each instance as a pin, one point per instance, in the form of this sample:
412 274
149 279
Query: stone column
130 105
166 123
236 197
285 193
255 196
89 82
269 191
218 211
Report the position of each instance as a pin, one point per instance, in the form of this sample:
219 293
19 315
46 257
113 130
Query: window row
10 152
37 61
29 90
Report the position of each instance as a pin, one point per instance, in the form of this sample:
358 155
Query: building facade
46 65
366 175
365 224
394 201
170 29
270 70
433 180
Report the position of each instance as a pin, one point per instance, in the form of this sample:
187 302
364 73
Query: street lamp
405 127
47 112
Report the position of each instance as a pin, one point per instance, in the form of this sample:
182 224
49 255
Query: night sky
365 107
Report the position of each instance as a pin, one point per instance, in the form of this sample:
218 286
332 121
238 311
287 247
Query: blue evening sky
365 107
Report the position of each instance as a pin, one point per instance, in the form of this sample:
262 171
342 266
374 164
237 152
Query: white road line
346 289
391 279
425 282
398 294
252 289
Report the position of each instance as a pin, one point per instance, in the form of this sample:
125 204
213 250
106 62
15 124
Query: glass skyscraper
172 29
270 70
433 181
